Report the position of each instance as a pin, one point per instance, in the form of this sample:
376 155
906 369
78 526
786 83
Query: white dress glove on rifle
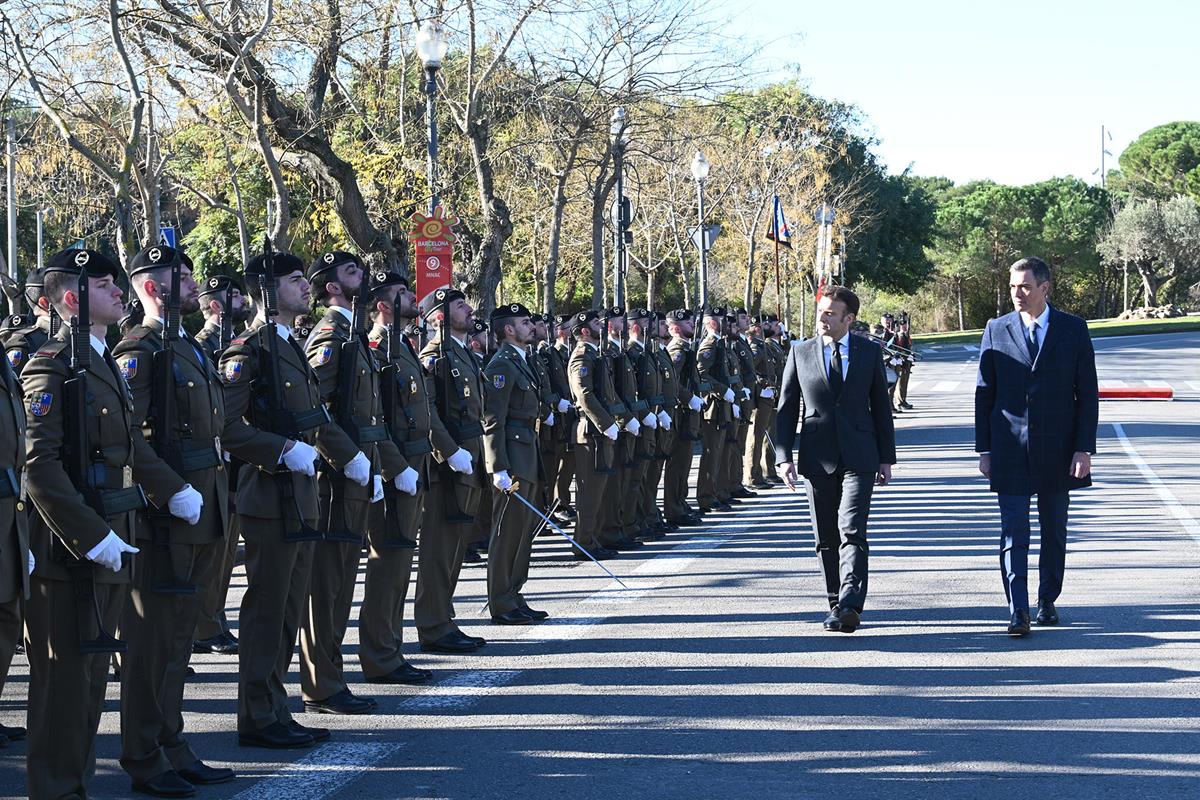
550 418
633 426
729 395
767 393
650 421
564 406
359 469
664 420
746 393
407 481
501 481
377 490
611 431
695 404
186 504
460 461
301 458
108 552
737 412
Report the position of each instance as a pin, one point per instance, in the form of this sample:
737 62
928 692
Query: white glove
729 395
407 481
186 504
695 404
359 469
664 420
301 458
550 418
377 491
32 562
460 461
737 412
501 481
611 431
650 421
108 552
767 393
564 406
746 392
633 426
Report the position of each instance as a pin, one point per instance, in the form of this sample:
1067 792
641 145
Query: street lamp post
620 216
700 168
431 48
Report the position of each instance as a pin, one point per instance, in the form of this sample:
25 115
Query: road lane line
945 386
1164 492
459 690
1195 385
322 772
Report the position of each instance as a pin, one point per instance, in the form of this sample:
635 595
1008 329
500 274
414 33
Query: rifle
280 420
164 413
225 319
445 384
13 291
85 467
388 381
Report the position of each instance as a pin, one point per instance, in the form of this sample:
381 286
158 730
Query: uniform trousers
675 477
443 544
509 548
389 573
591 493
756 443
211 621
710 488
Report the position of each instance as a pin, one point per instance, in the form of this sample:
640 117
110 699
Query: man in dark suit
1036 411
834 387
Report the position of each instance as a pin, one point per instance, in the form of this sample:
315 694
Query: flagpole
778 295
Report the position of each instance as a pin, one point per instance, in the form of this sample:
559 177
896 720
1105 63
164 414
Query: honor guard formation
136 474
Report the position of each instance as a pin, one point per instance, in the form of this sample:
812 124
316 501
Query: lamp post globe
700 167
431 49
431 43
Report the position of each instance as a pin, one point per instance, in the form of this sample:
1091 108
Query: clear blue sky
1013 91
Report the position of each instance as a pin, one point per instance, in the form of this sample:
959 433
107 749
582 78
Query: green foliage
1164 162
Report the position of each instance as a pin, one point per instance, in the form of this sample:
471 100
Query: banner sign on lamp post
433 248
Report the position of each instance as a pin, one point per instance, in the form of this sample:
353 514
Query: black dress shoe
341 703
405 673
833 623
452 643
19 649
207 645
12 733
227 646
537 615
745 494
3 741
515 617
168 784
849 620
624 543
317 734
906 406
761 485
569 511
1047 615
202 774
471 556
730 503
276 736
1019 624
684 522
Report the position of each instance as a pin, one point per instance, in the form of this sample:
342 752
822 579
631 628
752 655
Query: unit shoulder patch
40 403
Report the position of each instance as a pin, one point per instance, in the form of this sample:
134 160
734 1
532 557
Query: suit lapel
1053 332
817 348
1016 329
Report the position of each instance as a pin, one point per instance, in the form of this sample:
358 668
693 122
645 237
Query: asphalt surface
710 677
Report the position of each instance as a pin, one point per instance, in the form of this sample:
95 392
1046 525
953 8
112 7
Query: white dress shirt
844 344
1043 322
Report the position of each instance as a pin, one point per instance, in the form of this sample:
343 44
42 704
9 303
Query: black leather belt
121 501
194 459
464 431
416 447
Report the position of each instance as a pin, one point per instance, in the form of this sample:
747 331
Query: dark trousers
1014 546
839 505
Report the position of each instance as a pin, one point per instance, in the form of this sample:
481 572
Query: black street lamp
700 167
431 48
620 140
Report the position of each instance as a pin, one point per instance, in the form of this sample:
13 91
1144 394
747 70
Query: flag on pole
821 284
779 231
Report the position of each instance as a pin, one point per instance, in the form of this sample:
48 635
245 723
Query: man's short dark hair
1039 268
849 298
57 284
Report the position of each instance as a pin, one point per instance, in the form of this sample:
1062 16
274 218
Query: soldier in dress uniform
720 412
681 326
554 438
640 351
629 411
513 407
668 415
16 562
566 471
178 462
392 526
457 482
590 374
273 412
743 357
28 333
82 535
777 346
482 525
357 455
213 632
765 388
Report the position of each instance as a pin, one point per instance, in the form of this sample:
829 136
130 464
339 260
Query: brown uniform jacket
510 415
461 425
199 420
712 366
14 521
209 339
21 343
249 428
649 391
62 511
412 413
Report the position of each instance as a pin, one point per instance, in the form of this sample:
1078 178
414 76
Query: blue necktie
1033 343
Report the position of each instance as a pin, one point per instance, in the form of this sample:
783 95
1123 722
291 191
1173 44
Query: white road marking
1195 385
914 384
1113 384
974 348
945 386
321 773
1168 498
459 690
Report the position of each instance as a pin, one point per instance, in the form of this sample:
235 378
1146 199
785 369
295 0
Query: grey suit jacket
853 430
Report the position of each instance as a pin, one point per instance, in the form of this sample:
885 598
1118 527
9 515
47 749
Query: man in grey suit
834 387
1036 411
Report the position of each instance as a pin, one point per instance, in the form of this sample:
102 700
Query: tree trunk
1151 283
601 188
484 270
958 291
556 221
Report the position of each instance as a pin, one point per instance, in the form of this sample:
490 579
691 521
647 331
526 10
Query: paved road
711 676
